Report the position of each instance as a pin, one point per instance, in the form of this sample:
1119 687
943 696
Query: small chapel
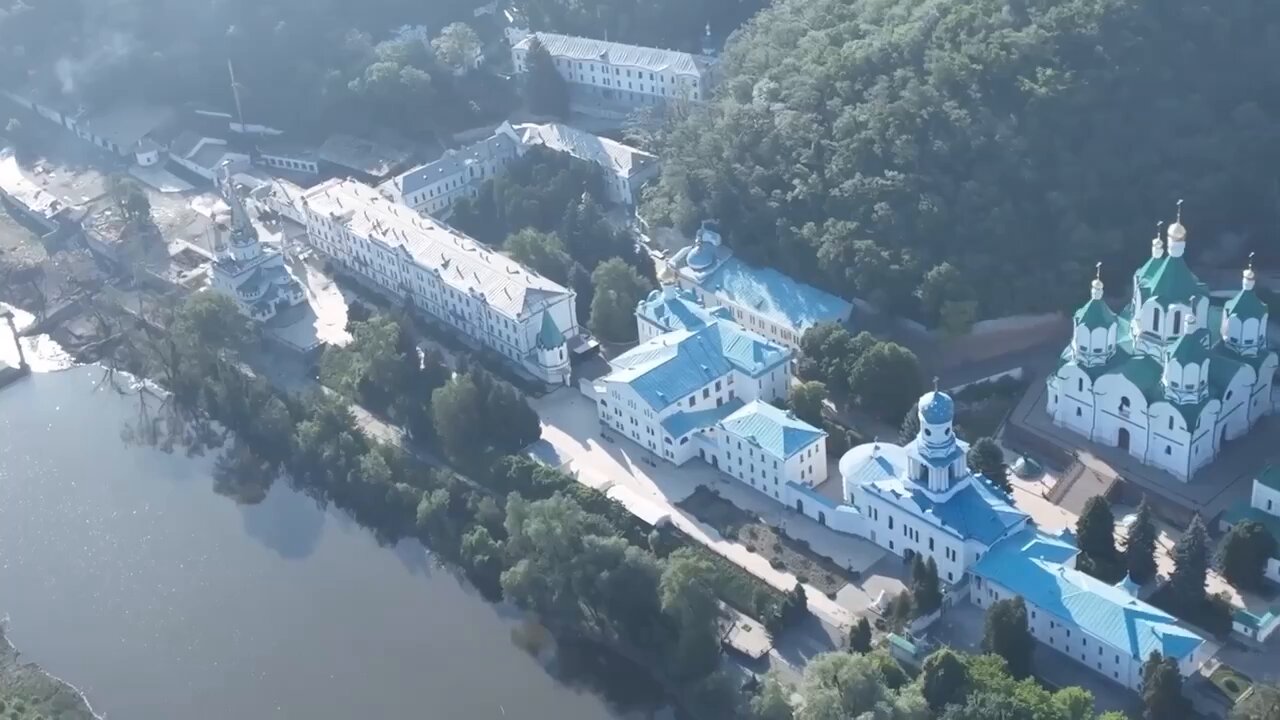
1172 377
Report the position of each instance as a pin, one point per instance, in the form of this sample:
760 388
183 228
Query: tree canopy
1242 557
909 151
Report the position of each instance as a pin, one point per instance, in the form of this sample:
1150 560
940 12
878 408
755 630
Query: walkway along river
124 573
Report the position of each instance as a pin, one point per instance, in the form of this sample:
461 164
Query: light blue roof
1033 564
777 432
936 407
671 366
680 424
682 311
777 297
974 512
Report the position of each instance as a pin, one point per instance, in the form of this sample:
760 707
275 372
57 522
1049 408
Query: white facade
484 295
434 188
253 276
768 465
1154 380
622 74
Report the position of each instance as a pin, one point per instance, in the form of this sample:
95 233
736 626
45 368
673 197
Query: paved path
571 440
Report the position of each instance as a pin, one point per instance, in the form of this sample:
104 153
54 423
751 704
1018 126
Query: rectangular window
706 393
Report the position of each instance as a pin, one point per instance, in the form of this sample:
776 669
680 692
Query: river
122 572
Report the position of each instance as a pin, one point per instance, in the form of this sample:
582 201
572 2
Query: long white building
483 294
434 188
1169 379
622 74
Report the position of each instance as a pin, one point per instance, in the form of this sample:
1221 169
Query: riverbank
28 692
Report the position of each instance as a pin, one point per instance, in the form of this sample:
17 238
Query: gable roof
502 143
681 311
1034 565
680 424
611 155
778 298
645 58
775 431
666 368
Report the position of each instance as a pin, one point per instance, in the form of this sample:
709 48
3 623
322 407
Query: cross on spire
935 383
1251 254
1097 275
1179 210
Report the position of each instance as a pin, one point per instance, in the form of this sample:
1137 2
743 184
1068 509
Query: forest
919 152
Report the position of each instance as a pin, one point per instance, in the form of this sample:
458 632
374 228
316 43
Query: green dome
1192 348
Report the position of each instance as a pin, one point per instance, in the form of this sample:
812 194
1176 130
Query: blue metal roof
682 311
671 366
1033 564
777 432
680 424
937 408
775 296
974 512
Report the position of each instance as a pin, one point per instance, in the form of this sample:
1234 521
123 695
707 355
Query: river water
122 572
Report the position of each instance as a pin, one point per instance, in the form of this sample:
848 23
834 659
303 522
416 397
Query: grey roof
453 162
377 158
611 155
645 58
457 259
186 142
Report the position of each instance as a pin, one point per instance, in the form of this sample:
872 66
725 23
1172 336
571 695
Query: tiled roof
459 260
682 311
777 432
612 53
680 424
377 158
611 155
974 512
501 144
671 366
777 297
1033 565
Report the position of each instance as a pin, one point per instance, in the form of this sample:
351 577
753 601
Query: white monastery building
622 74
252 275
1169 379
434 188
526 318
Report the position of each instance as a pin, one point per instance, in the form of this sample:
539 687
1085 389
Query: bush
777 563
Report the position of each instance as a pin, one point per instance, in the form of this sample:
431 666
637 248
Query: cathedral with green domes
1171 378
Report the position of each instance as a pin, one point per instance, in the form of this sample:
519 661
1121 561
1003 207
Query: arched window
1155 320
1124 405
1177 321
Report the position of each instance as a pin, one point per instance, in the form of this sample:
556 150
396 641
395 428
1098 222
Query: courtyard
572 440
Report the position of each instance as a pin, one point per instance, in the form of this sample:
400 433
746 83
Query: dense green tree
1096 530
1140 545
458 415
457 46
944 679
986 705
860 636
911 427
806 401
841 685
1243 554
1006 635
1190 567
773 701
1261 704
1161 688
885 380
926 589
900 611
986 457
541 252
688 596
855 117
546 91
482 557
129 198
618 289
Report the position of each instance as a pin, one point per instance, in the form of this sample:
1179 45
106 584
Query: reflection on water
122 571
42 353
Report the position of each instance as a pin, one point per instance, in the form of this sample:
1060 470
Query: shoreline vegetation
520 531
30 692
